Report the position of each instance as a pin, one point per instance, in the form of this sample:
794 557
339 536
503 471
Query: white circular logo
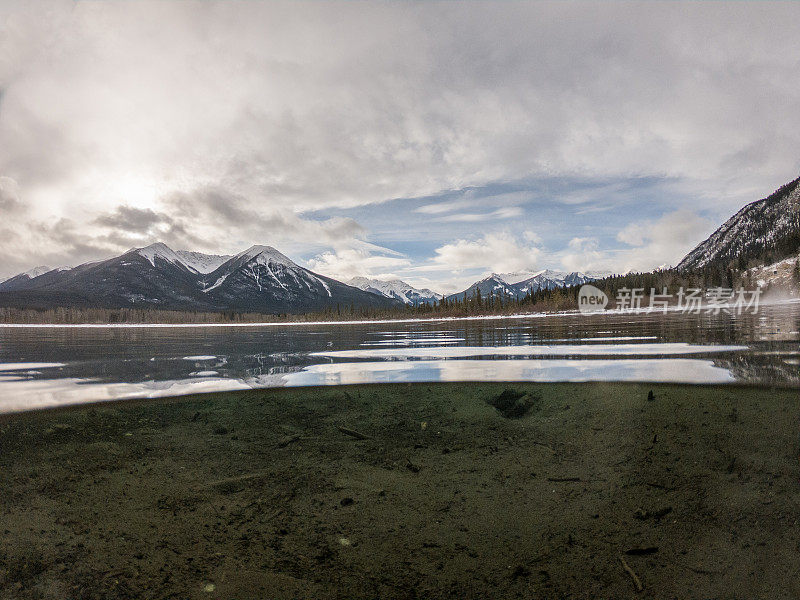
591 299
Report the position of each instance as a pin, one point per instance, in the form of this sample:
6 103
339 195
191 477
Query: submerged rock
512 404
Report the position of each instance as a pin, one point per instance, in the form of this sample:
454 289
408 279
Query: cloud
532 237
508 212
208 219
239 123
498 252
649 244
360 260
664 241
214 212
583 254
467 201
132 219
9 195
472 198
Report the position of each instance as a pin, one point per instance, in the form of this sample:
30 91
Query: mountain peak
516 277
158 250
36 271
265 254
521 283
356 281
201 262
157 246
395 288
195 262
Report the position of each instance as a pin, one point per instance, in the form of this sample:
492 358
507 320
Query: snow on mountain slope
516 277
537 279
757 226
273 261
395 288
36 271
159 250
202 263
262 278
265 255
197 262
782 275
518 285
22 279
259 279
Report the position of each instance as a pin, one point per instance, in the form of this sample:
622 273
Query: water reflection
666 349
662 370
52 365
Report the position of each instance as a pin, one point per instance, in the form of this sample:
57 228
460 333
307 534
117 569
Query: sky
428 141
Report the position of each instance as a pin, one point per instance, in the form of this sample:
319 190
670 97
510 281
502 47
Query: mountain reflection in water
46 366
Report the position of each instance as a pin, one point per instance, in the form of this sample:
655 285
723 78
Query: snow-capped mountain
768 225
397 289
260 279
202 263
22 278
36 271
196 262
518 285
150 276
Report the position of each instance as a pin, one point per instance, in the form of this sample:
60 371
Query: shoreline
452 493
533 315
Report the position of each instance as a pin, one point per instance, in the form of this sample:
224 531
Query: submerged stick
637 583
534 442
352 433
289 439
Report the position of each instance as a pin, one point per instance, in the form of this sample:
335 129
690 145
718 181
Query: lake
42 366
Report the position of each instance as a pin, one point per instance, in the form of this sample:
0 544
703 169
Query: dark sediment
407 491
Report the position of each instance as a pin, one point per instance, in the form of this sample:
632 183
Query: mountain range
260 279
520 284
397 289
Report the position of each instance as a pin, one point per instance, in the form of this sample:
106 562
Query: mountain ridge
397 289
517 286
761 232
260 279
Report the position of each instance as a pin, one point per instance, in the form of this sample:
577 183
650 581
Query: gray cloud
229 121
9 196
127 218
238 217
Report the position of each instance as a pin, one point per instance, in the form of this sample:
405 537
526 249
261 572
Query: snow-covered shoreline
539 315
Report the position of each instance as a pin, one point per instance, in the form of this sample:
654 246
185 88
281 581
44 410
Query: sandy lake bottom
443 490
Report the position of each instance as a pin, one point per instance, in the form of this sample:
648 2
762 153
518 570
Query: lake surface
51 365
